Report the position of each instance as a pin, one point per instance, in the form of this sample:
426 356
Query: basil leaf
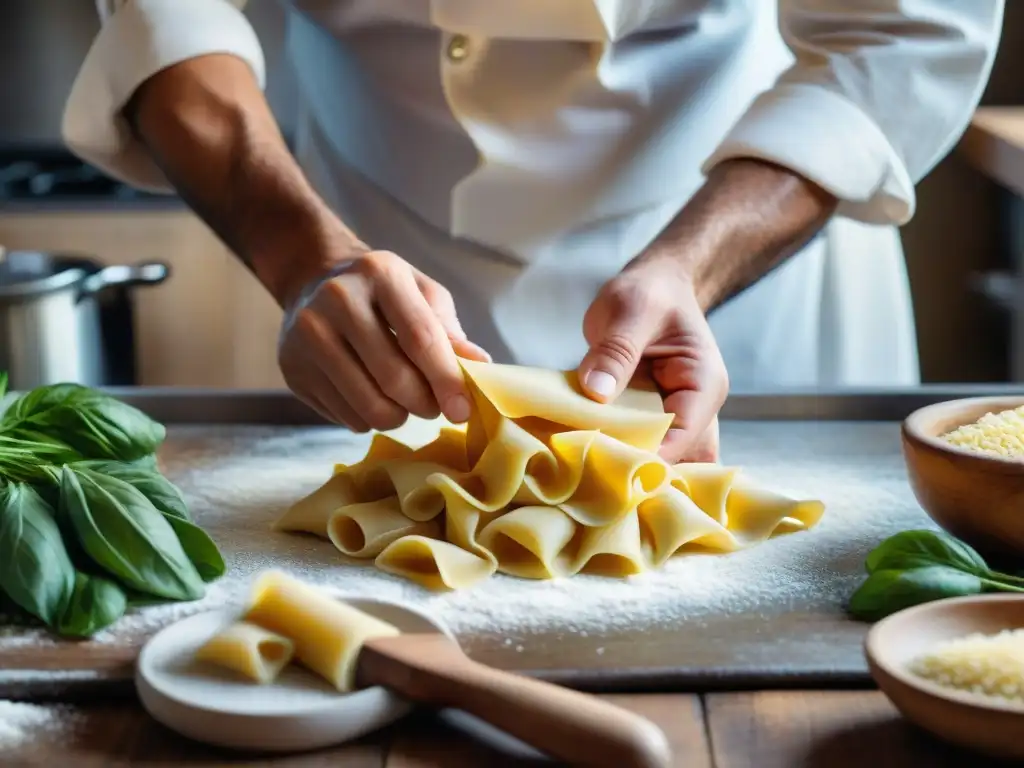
35 570
96 425
145 462
95 604
889 591
127 536
200 549
163 494
40 400
920 549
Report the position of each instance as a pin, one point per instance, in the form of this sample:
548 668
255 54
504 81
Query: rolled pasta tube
708 485
436 565
756 513
311 513
327 634
364 530
530 542
670 520
613 550
249 649
615 478
462 523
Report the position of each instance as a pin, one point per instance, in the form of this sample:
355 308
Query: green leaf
888 591
164 495
920 549
35 569
96 425
145 462
3 384
200 549
95 604
127 536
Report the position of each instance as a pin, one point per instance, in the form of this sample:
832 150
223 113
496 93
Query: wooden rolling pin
354 650
566 724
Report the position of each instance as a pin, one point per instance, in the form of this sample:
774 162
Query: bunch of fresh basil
916 567
88 525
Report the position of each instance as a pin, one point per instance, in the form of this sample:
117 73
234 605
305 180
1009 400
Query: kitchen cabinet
994 146
209 325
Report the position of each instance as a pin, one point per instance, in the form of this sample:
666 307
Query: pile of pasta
542 483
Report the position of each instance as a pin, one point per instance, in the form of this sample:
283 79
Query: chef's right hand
374 340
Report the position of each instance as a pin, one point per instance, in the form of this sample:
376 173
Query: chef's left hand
649 314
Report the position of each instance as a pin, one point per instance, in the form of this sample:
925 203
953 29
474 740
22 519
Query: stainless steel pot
65 318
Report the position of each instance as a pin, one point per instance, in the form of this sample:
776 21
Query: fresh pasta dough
327 634
250 650
542 482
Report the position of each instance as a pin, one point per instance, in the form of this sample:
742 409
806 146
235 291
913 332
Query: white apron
421 155
522 151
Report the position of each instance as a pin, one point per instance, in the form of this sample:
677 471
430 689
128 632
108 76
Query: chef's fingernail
458 409
601 383
674 433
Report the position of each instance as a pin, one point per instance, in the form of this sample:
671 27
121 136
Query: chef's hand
374 340
649 313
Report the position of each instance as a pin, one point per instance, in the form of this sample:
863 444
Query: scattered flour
21 724
238 480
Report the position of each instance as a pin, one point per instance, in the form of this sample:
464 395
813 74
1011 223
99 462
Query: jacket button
458 48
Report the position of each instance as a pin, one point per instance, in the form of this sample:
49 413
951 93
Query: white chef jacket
522 151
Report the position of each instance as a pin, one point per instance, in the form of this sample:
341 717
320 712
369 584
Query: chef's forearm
209 128
746 220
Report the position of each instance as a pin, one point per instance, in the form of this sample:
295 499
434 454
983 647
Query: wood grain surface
803 639
772 729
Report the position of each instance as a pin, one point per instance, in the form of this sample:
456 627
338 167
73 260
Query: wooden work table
766 729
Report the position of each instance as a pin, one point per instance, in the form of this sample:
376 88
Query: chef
706 189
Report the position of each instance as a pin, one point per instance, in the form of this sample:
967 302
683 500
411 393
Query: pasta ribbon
542 483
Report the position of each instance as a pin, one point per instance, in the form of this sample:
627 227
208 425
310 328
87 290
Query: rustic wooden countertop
994 145
767 729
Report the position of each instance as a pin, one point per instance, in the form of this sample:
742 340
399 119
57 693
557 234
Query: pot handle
123 275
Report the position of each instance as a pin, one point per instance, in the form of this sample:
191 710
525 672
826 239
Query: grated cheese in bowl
990 665
998 434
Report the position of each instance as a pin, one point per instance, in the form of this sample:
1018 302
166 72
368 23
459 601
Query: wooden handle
566 724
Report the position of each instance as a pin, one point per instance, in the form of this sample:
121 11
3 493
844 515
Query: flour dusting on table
21 724
238 480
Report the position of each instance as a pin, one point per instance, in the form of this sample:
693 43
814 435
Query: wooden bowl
987 725
976 497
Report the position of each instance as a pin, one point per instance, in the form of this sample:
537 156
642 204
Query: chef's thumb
615 353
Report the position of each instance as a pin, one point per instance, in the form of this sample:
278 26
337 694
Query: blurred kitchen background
207 324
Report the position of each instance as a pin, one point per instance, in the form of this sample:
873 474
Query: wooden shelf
994 145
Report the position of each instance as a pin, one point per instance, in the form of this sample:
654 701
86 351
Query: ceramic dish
298 711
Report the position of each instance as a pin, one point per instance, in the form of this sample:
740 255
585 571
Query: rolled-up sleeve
137 39
878 94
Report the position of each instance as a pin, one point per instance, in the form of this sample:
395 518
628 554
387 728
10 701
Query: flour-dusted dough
542 482
326 633
248 649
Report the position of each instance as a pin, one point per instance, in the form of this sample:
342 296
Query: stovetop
54 176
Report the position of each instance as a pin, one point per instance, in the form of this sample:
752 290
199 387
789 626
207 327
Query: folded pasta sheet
542 482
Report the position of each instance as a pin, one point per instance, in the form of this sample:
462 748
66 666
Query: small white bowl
298 711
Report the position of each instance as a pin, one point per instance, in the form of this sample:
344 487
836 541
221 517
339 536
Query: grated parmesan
999 434
990 665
